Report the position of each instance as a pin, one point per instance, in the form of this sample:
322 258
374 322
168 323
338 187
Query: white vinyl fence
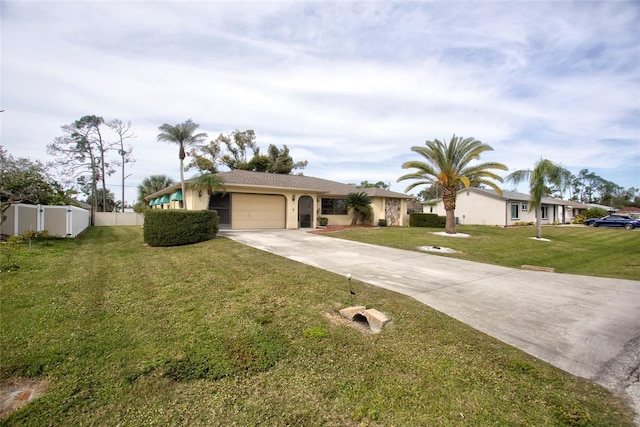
61 221
118 218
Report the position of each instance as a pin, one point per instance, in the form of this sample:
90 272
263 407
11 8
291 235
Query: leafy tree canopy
589 187
379 184
26 181
239 150
205 158
594 213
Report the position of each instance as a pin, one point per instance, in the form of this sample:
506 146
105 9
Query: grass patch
602 252
217 333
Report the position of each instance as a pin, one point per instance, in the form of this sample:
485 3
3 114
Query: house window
515 212
333 207
545 212
525 207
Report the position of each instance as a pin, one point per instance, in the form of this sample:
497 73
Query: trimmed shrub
179 227
579 219
594 213
427 220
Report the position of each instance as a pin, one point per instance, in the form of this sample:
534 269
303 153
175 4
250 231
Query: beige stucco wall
194 201
197 201
339 219
378 205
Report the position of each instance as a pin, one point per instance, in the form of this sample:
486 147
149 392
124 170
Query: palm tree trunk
449 201
184 194
539 221
450 226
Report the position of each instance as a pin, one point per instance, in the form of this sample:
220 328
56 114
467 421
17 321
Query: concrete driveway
587 326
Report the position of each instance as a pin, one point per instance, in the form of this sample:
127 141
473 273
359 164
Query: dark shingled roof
331 188
298 182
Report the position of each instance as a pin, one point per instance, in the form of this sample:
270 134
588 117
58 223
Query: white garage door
257 211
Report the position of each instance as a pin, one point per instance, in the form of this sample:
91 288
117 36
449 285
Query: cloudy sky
348 86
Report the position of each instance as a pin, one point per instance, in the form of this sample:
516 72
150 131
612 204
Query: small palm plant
360 204
544 172
208 182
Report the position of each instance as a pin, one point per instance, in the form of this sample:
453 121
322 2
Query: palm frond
447 164
518 176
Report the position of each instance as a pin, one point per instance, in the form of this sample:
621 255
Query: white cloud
349 86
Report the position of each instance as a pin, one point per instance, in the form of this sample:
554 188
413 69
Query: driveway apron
587 326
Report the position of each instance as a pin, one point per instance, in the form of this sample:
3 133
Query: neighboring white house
480 206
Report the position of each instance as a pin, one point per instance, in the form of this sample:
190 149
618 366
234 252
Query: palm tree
209 182
545 172
360 203
448 166
183 135
151 185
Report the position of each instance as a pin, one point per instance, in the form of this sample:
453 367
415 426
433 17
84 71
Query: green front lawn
604 252
217 333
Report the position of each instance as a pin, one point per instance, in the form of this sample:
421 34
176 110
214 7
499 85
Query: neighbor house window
525 207
515 212
545 212
333 207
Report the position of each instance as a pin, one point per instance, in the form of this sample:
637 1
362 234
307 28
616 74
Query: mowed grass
602 252
217 333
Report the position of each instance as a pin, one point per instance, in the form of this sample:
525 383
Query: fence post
16 226
68 221
40 213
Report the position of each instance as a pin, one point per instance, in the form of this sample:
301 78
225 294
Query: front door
305 212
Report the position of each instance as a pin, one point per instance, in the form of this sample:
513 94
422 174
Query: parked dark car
614 221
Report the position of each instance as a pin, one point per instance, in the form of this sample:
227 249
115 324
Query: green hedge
179 227
595 213
426 220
